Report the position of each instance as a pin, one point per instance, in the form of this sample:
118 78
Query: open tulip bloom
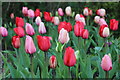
60 44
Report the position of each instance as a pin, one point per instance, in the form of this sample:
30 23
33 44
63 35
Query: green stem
77 65
106 74
32 72
69 71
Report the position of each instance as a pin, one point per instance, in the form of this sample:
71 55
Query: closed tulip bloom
85 34
101 12
69 57
12 15
90 12
56 21
47 16
106 31
37 12
19 22
86 11
29 29
31 13
38 20
53 62
68 11
106 63
29 45
25 11
16 41
102 22
42 29
52 19
43 42
19 31
80 17
3 31
96 19
60 12
78 28
113 24
66 25
63 36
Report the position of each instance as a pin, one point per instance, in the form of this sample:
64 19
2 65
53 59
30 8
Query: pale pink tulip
29 29
31 13
42 28
96 19
60 12
3 31
56 21
25 11
102 22
38 20
68 11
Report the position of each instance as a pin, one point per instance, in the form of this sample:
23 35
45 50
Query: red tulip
113 24
43 42
19 22
78 28
3 31
66 25
47 16
53 62
19 31
69 57
85 34
16 41
106 63
37 12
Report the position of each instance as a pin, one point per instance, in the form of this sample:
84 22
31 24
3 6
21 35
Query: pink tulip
96 19
12 15
86 11
25 11
101 12
31 13
56 21
85 34
29 29
68 11
106 63
60 12
102 22
38 20
3 31
42 28
63 36
29 45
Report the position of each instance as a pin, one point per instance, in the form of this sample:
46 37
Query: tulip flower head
113 24
53 61
3 31
25 11
38 20
19 31
85 34
68 11
42 29
16 41
96 19
19 22
101 12
56 21
29 29
12 15
31 13
37 12
80 17
60 12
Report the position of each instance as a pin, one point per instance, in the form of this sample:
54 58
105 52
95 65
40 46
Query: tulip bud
63 36
85 34
56 21
29 45
113 24
52 62
68 11
16 41
38 20
69 57
31 13
80 17
12 15
29 29
77 54
37 12
42 29
60 12
19 31
106 63
102 22
96 19
25 11
106 32
86 11
3 31
101 12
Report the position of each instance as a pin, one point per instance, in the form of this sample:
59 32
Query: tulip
47 16
12 15
25 11
106 63
63 36
3 31
43 42
78 28
42 28
65 25
19 22
102 22
86 11
80 17
101 12
16 41
52 61
104 31
37 12
19 31
31 13
69 57
113 24
68 11
90 12
56 21
96 19
29 29
85 34
29 45
38 20
60 12
52 19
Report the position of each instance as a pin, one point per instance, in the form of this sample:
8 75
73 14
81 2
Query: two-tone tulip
53 61
25 11
80 17
16 41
